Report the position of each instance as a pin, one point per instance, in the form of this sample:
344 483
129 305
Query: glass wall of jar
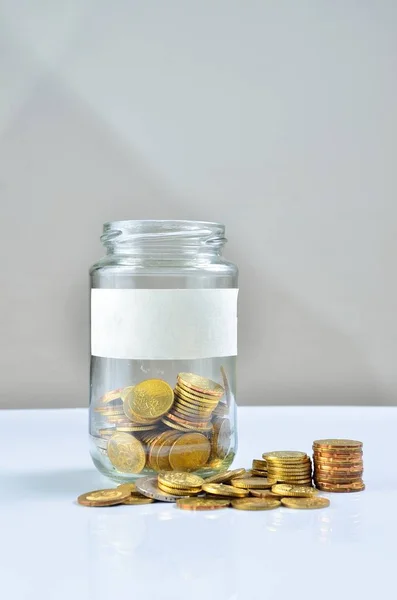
163 350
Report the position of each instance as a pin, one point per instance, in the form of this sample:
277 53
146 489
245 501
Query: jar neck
164 240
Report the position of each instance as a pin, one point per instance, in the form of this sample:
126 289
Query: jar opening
155 235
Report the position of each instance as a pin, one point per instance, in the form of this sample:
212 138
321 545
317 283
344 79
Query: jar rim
178 223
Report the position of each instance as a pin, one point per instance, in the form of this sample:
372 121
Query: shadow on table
53 483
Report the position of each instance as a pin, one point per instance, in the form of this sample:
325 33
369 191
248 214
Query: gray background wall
276 117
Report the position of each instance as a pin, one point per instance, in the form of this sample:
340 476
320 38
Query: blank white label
163 324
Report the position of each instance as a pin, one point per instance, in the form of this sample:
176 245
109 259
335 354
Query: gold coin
107 432
108 411
265 494
258 473
259 465
339 455
180 480
178 492
225 476
161 457
130 488
305 503
136 428
103 497
173 425
135 500
338 462
189 452
256 503
111 396
345 470
335 487
221 439
150 399
202 503
125 391
148 487
285 455
331 478
153 447
252 483
298 491
200 384
186 423
126 453
337 443
290 481
221 489
196 399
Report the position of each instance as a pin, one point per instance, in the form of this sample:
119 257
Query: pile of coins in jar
278 479
152 426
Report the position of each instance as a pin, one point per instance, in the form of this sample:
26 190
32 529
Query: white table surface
52 548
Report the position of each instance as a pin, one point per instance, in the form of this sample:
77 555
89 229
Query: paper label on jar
163 324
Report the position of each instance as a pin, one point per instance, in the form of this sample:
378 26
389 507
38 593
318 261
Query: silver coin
148 487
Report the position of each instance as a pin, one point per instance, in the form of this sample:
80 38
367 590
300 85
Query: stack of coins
259 467
180 484
338 465
196 398
289 467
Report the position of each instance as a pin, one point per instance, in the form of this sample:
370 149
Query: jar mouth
149 232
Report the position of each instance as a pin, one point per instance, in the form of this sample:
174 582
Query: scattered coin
105 497
221 489
305 503
182 480
135 500
202 503
149 488
256 503
298 491
251 483
225 476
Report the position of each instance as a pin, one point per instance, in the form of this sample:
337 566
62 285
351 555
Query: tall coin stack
338 465
291 467
195 399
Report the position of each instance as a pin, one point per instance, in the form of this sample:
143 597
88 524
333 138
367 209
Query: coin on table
179 492
221 489
106 497
180 480
149 488
252 483
306 503
150 399
259 464
257 473
126 453
265 494
202 503
189 452
256 503
298 491
136 500
200 384
225 476
358 486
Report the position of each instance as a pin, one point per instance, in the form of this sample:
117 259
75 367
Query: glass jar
163 350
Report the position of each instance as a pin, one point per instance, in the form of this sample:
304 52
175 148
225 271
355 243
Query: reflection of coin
126 453
202 503
256 503
180 480
225 476
221 438
103 497
189 452
200 384
148 487
305 503
220 489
